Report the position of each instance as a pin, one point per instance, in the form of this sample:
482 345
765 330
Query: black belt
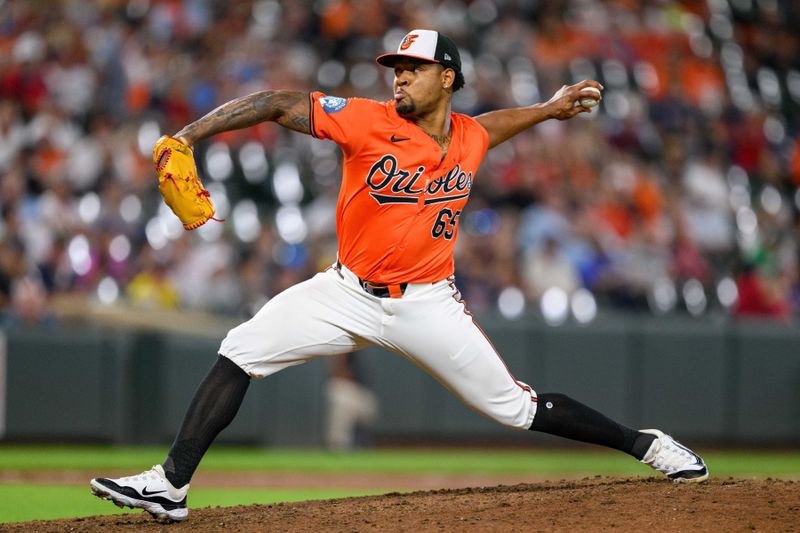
380 290
383 291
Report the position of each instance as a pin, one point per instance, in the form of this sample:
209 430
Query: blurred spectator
547 267
12 268
29 305
352 406
706 208
760 295
151 288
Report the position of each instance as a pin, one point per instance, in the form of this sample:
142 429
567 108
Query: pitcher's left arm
565 103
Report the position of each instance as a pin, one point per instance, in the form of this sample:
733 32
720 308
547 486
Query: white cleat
673 459
149 490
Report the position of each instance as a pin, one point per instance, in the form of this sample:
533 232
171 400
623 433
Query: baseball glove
179 184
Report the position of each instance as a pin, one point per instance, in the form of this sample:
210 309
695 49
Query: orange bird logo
408 40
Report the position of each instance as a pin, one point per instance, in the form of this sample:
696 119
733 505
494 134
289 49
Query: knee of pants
515 409
253 350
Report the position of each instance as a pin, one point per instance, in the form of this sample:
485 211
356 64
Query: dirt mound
586 505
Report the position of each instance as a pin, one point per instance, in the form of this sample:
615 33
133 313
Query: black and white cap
428 45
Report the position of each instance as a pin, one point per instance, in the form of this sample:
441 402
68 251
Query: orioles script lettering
391 184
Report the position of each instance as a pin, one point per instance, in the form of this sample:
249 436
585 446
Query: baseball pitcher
409 165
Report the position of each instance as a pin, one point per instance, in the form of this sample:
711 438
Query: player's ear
448 78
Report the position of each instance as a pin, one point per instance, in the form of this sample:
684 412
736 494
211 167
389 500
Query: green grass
491 461
22 502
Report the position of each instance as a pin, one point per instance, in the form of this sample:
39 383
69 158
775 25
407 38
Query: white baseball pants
331 314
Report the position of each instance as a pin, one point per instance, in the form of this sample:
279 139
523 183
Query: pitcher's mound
597 504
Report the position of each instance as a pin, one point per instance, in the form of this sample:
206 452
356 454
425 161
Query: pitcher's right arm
290 109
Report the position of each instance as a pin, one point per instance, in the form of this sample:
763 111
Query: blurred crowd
678 194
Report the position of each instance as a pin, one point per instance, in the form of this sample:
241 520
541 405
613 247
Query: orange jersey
399 202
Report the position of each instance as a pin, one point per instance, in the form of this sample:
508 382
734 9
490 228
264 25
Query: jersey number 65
445 224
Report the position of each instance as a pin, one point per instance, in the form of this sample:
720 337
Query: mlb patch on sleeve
332 104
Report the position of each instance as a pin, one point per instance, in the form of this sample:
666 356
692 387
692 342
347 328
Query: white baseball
587 101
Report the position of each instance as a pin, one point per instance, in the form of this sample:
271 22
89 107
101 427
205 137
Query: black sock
558 414
213 407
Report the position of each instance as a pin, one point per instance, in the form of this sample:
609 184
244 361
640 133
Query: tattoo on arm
288 108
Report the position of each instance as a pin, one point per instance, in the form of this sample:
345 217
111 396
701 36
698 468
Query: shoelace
670 458
151 474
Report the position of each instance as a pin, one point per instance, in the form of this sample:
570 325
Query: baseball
588 101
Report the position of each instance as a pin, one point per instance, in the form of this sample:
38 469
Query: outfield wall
717 382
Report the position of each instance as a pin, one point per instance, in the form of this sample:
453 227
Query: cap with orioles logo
430 46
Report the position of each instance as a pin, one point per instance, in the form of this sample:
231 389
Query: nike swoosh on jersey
398 139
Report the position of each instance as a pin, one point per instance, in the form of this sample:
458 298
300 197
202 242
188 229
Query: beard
406 107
